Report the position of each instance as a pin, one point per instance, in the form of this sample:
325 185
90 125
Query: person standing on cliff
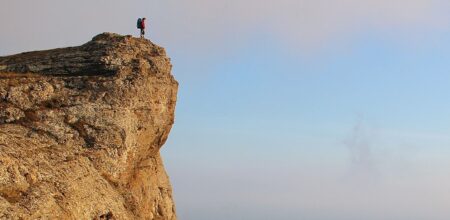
141 25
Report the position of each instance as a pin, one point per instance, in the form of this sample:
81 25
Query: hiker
141 25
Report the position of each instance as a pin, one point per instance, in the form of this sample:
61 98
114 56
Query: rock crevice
81 129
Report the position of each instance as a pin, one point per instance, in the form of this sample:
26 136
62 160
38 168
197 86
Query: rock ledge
81 128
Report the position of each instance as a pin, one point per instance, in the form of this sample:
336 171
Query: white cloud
206 24
304 22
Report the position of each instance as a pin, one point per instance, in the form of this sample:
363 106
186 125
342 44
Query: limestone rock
81 129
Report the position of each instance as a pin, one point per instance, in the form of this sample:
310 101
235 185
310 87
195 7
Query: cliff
81 129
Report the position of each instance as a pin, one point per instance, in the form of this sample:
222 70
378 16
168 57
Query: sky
287 109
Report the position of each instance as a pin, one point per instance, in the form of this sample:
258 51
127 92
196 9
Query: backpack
139 23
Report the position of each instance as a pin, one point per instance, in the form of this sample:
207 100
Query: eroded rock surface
81 129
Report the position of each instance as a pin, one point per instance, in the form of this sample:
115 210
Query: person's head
143 18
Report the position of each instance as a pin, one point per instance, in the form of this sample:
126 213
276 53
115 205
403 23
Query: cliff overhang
81 128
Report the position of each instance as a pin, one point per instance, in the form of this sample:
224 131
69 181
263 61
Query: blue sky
318 110
366 122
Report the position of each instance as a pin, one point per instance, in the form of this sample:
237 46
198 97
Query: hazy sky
288 109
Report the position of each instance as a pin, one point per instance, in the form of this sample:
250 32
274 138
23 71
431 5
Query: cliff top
105 54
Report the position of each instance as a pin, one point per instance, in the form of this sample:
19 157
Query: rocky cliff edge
81 128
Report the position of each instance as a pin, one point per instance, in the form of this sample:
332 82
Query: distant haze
201 23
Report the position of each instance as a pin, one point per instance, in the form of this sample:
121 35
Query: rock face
81 128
